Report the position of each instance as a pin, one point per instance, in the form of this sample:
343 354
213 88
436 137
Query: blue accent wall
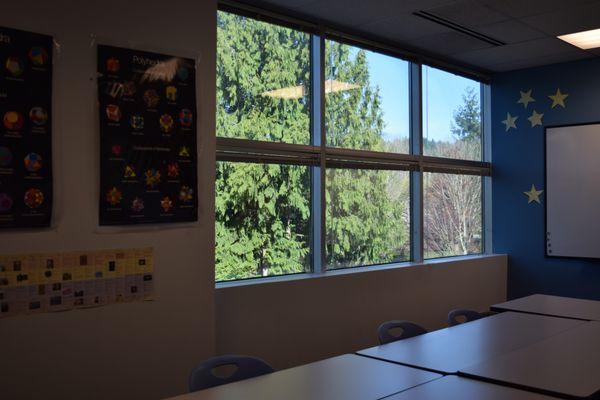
518 162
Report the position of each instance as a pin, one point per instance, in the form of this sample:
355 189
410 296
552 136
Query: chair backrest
409 329
203 376
469 315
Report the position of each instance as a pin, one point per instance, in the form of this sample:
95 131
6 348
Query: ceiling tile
538 61
450 43
511 31
469 13
528 26
351 13
403 28
544 47
522 8
569 20
288 4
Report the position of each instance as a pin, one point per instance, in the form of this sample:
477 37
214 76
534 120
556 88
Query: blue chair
203 376
469 315
409 329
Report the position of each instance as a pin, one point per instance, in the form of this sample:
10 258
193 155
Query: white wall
128 351
302 320
145 350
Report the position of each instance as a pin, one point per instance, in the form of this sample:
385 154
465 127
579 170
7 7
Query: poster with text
147 109
60 281
25 129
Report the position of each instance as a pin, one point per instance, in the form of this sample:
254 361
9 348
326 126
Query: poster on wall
25 129
46 282
147 109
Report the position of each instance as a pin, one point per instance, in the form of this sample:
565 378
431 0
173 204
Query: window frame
318 156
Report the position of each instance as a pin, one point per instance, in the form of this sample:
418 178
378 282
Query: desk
448 350
554 306
456 388
347 377
567 364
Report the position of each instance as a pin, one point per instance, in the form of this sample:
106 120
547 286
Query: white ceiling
528 27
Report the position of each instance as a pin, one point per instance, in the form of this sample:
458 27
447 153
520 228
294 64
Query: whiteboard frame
546 255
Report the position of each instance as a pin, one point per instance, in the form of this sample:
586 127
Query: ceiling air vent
459 28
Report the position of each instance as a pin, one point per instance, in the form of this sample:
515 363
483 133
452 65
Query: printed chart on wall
25 135
147 107
34 283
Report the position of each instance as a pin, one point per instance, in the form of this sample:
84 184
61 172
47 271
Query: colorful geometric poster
25 129
34 283
147 109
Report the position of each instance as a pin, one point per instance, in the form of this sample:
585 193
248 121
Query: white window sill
346 271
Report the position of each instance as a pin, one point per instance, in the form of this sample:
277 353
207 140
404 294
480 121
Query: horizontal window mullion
231 144
267 153
453 161
354 164
265 158
337 152
457 169
255 151
455 166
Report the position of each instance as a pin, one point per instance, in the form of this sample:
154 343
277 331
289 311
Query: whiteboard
573 191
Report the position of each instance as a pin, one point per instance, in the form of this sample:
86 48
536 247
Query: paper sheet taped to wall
45 282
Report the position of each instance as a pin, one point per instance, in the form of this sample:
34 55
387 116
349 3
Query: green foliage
467 118
367 218
263 211
254 57
262 220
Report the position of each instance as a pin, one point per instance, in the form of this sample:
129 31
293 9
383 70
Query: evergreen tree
263 210
467 118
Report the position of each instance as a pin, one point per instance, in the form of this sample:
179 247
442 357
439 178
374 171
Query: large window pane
262 81
452 214
368 217
366 99
451 115
262 220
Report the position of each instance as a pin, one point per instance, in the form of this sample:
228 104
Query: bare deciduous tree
452 216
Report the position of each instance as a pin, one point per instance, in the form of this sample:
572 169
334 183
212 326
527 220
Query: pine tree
467 118
263 210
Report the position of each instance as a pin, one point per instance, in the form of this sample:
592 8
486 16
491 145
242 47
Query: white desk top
567 364
347 377
555 306
450 349
456 388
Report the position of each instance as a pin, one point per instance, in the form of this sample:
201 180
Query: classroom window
262 220
263 81
307 185
368 217
366 99
451 115
452 214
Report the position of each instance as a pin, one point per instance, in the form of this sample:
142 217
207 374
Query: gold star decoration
558 99
535 119
509 122
533 195
525 98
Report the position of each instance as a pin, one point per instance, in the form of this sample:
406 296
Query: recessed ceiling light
584 40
